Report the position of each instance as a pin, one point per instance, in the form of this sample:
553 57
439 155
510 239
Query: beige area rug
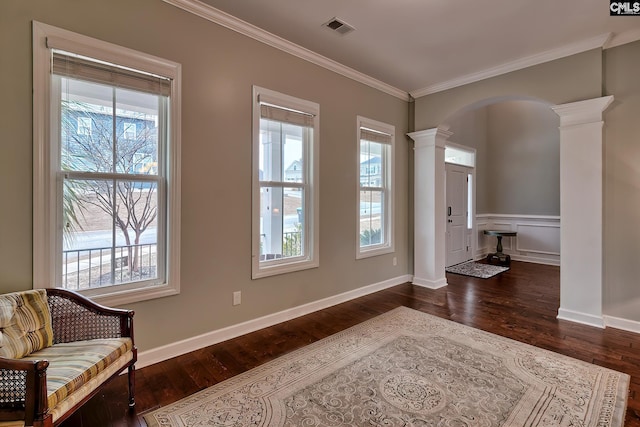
407 368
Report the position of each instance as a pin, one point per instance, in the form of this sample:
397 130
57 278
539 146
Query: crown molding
226 20
519 64
623 38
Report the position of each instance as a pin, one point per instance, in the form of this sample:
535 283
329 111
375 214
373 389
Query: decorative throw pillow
25 323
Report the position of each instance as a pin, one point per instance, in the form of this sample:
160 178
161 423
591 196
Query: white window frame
47 222
387 209
311 188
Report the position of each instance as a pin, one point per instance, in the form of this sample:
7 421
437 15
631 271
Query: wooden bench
79 345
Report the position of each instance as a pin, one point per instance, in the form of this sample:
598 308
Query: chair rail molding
538 238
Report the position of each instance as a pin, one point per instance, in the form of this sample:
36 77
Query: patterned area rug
408 368
476 269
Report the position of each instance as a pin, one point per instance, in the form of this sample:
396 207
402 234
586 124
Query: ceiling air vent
338 26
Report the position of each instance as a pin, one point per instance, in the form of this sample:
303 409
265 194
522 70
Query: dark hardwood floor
521 304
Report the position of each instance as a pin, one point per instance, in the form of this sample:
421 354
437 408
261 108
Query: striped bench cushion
73 364
25 323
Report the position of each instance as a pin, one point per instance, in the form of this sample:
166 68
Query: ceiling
422 46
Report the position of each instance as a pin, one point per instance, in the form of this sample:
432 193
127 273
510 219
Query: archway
581 140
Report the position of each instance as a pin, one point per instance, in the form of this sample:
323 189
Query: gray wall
219 69
470 129
524 159
517 156
622 183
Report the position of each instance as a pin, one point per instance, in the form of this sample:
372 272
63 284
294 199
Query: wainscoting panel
538 238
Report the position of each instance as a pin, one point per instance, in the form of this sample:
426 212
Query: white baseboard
158 354
536 260
584 318
624 324
430 284
524 258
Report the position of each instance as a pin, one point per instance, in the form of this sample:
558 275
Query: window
106 188
375 193
285 177
84 126
129 130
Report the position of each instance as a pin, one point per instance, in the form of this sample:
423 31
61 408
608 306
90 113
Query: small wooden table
499 257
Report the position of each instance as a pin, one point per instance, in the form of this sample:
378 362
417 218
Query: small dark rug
476 269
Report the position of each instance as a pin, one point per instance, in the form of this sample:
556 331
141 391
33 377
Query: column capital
430 137
582 112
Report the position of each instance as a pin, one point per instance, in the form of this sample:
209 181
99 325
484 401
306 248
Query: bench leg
46 422
132 385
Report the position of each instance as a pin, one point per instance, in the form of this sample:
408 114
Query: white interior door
457 240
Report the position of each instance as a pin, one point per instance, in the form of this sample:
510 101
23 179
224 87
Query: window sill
375 251
119 298
273 270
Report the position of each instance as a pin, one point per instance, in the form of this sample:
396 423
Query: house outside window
107 198
285 177
84 126
375 192
129 130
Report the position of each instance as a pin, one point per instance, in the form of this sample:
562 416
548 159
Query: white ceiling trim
623 38
519 64
231 22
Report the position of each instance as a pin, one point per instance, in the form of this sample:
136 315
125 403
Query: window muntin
375 164
108 142
284 188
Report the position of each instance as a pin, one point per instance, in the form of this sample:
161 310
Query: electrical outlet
237 298
395 261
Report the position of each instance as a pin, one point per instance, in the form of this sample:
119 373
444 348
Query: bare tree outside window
110 187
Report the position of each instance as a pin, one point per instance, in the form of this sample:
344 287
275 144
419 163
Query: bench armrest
24 395
76 318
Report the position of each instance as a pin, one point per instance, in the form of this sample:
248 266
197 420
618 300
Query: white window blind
282 115
93 70
375 136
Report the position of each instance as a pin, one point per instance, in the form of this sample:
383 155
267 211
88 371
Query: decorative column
581 210
430 205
